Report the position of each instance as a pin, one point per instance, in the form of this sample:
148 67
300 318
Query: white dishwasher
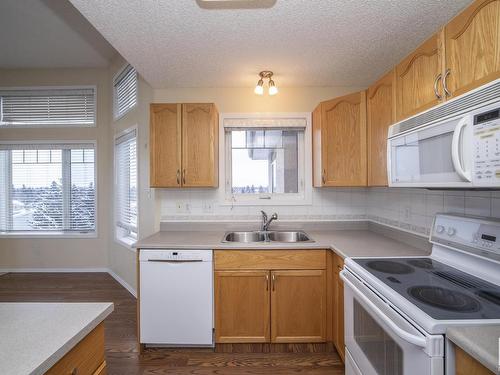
176 297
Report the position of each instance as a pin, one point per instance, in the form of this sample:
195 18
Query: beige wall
59 252
122 259
243 99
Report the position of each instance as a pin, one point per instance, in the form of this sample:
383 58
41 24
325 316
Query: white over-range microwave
453 145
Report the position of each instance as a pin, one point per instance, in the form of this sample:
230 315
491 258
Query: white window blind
48 107
125 91
47 188
126 186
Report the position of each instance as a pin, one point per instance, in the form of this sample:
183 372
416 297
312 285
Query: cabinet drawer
270 259
86 358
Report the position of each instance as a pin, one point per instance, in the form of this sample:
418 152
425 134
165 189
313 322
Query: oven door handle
455 149
416 340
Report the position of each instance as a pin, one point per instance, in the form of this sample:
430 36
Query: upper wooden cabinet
381 113
339 141
184 145
417 79
472 47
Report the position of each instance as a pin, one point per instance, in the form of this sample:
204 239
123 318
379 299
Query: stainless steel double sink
267 236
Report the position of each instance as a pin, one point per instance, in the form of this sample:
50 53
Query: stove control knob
451 231
440 229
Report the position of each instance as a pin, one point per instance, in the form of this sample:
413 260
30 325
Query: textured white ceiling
49 34
305 42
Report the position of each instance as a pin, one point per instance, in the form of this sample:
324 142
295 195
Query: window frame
117 116
304 153
60 234
44 126
126 241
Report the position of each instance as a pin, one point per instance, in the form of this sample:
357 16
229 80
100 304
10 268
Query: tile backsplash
414 209
408 209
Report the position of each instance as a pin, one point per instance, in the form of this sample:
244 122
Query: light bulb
259 89
273 90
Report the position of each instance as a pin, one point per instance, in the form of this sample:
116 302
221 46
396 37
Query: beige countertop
346 243
480 342
34 336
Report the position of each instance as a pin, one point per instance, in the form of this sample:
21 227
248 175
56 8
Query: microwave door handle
416 340
456 152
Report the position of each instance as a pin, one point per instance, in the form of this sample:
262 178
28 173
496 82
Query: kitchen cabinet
466 365
338 306
381 113
184 145
242 306
472 47
87 357
418 79
339 141
277 296
298 306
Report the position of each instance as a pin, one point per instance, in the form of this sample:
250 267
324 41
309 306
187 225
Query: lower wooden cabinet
242 306
338 306
466 365
298 306
270 305
86 358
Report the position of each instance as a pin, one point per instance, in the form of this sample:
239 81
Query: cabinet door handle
274 281
323 179
184 176
267 283
436 90
74 371
445 86
178 177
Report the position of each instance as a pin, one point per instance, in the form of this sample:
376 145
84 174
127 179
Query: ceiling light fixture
259 89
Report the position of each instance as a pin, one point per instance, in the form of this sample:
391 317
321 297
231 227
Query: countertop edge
71 343
464 342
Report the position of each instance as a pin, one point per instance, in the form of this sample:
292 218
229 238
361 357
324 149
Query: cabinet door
200 145
338 308
472 43
380 115
165 145
343 141
416 77
242 306
298 306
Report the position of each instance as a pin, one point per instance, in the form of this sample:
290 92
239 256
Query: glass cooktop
441 291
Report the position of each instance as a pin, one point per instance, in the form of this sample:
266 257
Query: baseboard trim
123 282
70 270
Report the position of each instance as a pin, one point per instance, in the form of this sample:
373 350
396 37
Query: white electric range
397 309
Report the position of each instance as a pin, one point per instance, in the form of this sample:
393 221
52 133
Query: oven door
380 341
437 155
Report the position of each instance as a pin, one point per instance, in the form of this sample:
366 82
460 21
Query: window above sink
265 159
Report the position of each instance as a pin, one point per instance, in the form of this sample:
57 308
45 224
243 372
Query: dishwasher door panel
176 303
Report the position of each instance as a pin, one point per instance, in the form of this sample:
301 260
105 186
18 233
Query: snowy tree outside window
47 188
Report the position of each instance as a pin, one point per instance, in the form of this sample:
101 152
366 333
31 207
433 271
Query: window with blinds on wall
124 91
126 186
47 188
71 106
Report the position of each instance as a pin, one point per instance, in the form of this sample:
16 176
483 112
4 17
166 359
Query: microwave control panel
486 152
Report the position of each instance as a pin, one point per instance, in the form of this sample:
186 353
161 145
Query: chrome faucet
266 222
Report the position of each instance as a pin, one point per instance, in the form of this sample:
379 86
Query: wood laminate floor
120 329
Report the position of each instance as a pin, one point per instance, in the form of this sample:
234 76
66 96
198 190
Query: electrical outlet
208 207
407 212
179 207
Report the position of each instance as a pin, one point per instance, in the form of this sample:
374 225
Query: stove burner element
445 299
387 266
490 295
422 263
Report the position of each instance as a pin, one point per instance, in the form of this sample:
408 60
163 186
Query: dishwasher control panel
175 255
